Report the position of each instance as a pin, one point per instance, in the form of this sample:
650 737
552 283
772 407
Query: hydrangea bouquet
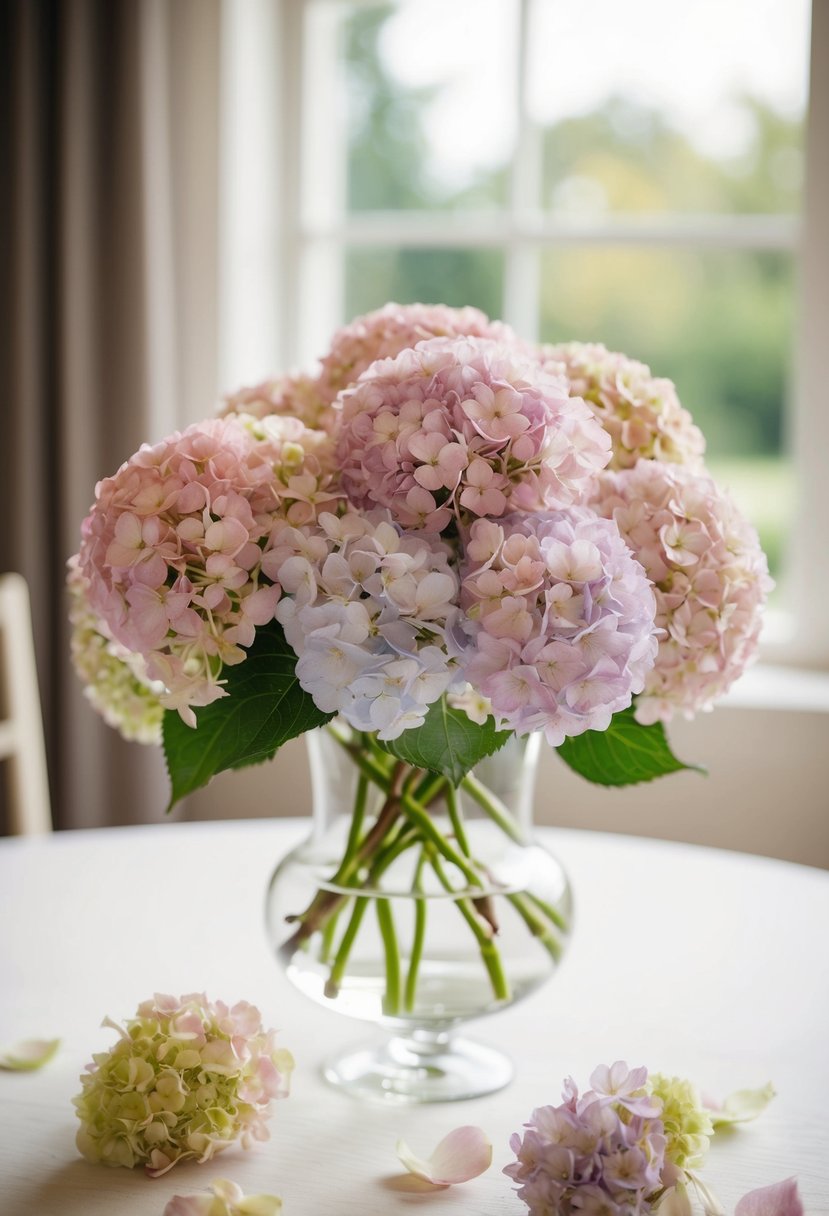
444 537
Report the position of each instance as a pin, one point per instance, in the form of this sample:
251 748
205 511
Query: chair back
21 723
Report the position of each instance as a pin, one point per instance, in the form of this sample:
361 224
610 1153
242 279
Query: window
631 174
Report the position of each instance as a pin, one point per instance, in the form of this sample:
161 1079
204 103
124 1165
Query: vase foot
419 1067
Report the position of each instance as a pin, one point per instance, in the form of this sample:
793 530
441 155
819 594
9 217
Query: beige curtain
110 121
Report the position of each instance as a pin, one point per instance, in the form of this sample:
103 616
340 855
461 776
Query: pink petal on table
463 1154
228 1198
28 1055
779 1199
194 1205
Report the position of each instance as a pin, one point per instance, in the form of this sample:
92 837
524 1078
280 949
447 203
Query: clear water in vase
420 950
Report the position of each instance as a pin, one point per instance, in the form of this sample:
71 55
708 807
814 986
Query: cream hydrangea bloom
641 412
115 679
298 396
186 1078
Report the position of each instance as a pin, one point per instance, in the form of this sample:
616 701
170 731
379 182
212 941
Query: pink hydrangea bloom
709 574
595 1153
463 428
779 1199
562 621
641 412
173 545
369 612
393 328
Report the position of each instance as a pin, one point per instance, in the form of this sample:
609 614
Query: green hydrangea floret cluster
186 1079
115 679
688 1125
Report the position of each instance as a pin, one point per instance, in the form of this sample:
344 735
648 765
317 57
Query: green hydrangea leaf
265 707
448 742
627 753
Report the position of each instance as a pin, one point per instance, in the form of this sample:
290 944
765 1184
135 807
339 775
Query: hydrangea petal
711 1205
28 1055
260 1205
741 1106
191 1205
228 1200
461 1155
676 1202
779 1199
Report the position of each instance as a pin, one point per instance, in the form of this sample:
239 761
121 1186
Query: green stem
483 903
357 817
329 932
423 821
352 844
371 766
429 789
536 926
489 951
391 1000
549 911
379 765
494 807
453 806
383 860
412 809
332 984
390 852
326 902
418 937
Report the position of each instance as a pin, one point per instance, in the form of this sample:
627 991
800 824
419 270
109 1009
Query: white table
706 964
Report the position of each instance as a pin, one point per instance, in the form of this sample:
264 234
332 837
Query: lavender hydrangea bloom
600 1153
561 621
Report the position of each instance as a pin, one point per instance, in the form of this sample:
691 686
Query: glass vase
418 906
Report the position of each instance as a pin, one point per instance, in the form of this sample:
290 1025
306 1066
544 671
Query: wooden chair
21 723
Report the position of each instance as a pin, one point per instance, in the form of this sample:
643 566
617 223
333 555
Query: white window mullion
255 208
521 260
810 424
321 167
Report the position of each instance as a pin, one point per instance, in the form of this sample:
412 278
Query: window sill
784 688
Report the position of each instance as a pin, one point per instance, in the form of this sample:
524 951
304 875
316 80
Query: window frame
314 232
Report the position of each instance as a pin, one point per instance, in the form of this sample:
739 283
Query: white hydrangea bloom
369 613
